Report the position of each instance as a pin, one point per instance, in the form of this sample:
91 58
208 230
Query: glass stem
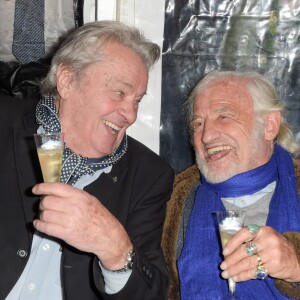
231 284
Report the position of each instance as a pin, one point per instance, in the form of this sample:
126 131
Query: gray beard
219 176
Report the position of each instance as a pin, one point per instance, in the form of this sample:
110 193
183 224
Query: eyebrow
223 109
125 83
195 117
131 87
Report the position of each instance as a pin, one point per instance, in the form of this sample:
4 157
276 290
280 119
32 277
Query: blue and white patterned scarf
74 165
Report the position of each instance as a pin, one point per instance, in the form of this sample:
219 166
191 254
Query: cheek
241 132
133 119
198 145
97 110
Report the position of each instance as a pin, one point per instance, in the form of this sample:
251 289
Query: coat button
22 253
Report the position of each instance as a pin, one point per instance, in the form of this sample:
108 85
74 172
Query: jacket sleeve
144 223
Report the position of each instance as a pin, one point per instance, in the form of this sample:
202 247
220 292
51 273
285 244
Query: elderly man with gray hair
97 233
243 149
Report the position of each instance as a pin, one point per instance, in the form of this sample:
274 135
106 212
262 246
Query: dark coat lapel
109 183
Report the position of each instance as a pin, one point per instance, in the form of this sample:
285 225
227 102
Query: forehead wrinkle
218 109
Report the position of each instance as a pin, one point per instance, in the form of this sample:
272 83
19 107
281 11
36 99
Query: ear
64 77
272 124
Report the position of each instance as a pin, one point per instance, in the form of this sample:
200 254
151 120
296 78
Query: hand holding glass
50 152
230 222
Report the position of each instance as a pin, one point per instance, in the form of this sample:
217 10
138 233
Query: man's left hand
272 251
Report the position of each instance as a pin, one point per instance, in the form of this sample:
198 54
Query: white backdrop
149 17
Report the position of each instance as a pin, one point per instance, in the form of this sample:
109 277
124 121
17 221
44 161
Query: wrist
128 265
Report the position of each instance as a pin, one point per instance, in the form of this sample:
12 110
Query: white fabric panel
7 13
149 17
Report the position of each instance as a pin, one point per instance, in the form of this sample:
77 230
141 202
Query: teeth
218 149
111 125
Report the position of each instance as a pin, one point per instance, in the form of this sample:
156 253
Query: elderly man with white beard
243 149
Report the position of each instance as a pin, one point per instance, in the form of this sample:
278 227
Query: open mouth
218 149
112 126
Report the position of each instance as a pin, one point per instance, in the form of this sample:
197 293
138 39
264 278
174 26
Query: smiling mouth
111 125
218 149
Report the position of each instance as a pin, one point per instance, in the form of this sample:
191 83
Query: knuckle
41 204
251 273
243 250
45 215
247 262
44 202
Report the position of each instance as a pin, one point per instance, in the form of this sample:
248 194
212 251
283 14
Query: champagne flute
230 222
50 148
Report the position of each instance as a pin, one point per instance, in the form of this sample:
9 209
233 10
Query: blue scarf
199 262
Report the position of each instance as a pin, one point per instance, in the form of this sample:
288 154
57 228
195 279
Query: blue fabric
199 262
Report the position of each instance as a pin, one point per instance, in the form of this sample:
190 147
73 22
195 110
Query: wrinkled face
96 109
227 138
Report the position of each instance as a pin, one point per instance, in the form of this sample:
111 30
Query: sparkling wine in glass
230 222
50 152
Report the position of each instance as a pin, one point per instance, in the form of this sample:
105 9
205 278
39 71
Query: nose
128 110
210 132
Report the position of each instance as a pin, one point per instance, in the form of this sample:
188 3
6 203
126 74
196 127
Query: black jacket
135 191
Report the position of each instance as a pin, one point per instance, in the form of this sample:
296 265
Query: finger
59 218
54 188
66 193
242 236
239 255
245 275
50 229
251 248
249 268
57 204
266 240
240 269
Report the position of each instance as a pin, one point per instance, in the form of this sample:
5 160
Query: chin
217 174
217 178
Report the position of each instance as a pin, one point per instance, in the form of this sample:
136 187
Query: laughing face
227 138
96 109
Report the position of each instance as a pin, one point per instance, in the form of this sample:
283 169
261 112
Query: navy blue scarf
199 262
